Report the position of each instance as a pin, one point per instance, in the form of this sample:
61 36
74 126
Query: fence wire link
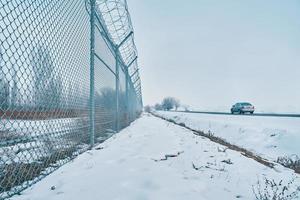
45 70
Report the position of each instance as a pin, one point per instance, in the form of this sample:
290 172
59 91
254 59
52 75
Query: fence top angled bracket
124 40
136 71
136 81
135 58
139 91
104 63
138 86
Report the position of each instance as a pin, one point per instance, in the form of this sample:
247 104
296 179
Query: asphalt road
254 114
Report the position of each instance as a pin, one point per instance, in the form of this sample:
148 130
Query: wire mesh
45 85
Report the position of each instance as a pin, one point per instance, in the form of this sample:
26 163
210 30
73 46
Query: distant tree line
47 83
168 103
47 89
4 87
43 91
106 99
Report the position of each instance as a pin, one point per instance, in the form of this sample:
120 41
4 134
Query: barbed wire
117 19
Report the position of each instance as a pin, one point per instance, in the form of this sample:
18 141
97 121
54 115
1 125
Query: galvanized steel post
117 93
92 73
127 95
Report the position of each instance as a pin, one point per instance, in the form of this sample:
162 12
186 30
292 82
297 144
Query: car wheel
251 113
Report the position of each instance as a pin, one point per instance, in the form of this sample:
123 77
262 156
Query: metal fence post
117 93
127 95
92 74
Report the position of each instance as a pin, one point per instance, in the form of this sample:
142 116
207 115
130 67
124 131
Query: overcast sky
213 53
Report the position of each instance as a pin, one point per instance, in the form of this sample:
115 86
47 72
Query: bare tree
4 87
158 107
56 91
176 104
147 108
169 103
106 99
47 85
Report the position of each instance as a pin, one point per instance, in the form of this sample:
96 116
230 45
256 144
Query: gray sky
212 53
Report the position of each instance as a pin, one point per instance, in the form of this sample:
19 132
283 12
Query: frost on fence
45 85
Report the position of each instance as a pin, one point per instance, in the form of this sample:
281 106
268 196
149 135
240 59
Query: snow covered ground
270 137
155 159
27 141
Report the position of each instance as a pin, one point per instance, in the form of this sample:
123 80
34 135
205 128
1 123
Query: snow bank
270 137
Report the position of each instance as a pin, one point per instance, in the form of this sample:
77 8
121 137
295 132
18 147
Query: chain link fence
68 79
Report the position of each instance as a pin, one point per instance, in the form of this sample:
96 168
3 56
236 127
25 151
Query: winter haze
211 54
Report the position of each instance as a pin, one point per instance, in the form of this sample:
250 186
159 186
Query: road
254 114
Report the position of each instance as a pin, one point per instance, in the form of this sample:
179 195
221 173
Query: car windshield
246 104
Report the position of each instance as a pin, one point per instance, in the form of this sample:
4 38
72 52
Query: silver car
242 108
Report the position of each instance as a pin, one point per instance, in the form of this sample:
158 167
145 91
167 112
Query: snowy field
155 159
270 137
29 140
